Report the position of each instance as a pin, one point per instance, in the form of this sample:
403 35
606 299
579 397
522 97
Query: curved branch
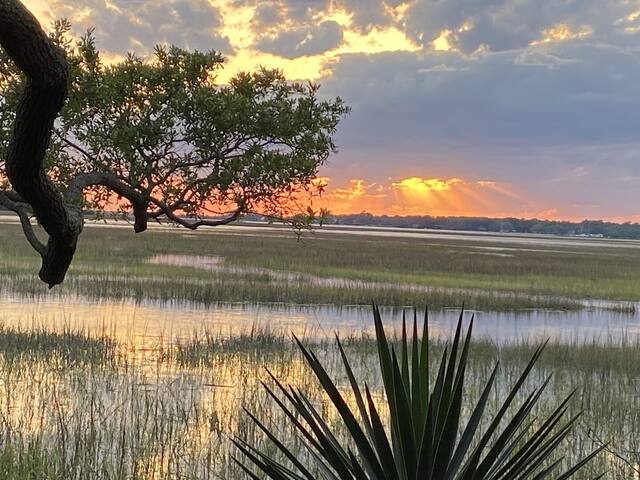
22 211
140 202
13 196
44 95
192 225
73 194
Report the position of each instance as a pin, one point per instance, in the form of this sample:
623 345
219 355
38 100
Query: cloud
525 116
424 186
466 197
303 41
122 26
441 68
328 29
540 58
362 14
562 32
353 197
492 97
505 25
525 93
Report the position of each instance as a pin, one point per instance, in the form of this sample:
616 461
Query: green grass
330 269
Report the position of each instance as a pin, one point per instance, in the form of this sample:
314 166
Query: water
169 321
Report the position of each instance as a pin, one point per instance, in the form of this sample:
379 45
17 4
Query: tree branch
21 209
43 96
109 180
69 143
192 225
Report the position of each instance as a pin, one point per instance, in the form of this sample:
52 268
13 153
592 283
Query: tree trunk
44 95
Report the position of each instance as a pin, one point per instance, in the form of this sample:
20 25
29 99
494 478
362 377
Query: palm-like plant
423 439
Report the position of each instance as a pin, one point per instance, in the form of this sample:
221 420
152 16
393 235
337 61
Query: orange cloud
443 197
356 196
423 196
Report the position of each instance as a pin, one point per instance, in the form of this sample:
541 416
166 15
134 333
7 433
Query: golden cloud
444 41
420 185
630 22
447 40
238 25
398 12
562 32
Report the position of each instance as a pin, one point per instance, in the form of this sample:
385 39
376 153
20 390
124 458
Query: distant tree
159 138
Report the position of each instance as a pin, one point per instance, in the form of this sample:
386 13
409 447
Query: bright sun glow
421 196
444 41
425 185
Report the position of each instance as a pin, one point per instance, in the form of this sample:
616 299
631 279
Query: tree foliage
162 138
169 131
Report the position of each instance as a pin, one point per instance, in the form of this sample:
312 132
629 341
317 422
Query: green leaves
423 437
188 144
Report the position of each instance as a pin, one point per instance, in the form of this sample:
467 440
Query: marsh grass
203 348
333 269
168 414
168 283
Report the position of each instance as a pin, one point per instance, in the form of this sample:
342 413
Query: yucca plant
423 438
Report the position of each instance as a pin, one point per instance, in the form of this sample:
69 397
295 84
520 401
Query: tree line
596 228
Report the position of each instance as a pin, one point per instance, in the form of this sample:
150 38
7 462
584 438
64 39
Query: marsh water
170 321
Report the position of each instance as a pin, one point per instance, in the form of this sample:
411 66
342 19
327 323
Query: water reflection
167 322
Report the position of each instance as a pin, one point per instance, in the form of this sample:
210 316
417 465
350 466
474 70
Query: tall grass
167 413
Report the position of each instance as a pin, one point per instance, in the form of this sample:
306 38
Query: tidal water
170 321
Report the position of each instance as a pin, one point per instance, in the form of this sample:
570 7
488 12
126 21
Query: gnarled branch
22 210
109 180
43 96
164 209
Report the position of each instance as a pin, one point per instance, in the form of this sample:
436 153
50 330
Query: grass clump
205 348
66 348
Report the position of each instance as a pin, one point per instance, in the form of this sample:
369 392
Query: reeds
167 412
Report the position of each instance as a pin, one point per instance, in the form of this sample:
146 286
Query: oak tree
157 138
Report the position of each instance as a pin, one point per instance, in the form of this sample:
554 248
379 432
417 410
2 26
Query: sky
527 108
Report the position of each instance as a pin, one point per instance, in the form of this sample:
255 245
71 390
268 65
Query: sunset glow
422 196
502 109
423 186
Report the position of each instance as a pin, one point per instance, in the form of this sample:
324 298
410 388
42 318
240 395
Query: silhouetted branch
109 180
22 210
43 96
194 224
